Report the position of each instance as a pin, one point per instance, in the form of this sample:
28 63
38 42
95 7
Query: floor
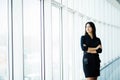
111 72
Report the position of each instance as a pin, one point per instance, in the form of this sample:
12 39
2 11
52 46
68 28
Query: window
56 55
68 47
32 39
3 40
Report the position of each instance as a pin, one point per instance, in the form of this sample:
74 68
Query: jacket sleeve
99 50
83 45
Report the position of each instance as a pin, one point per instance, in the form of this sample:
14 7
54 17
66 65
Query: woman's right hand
99 46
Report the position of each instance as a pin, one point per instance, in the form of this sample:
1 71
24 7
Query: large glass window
32 39
56 43
65 46
3 40
68 47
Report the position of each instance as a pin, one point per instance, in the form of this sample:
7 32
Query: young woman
91 46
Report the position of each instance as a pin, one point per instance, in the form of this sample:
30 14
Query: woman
91 45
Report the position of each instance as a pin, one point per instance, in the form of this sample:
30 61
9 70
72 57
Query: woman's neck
90 34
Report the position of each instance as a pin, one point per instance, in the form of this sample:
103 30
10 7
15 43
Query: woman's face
88 28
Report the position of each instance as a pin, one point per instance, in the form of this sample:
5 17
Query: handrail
110 63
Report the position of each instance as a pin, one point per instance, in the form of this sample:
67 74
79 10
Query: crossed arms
94 50
88 49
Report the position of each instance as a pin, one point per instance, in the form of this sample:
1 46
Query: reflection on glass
56 43
3 40
32 48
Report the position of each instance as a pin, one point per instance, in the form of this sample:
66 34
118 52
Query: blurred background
40 39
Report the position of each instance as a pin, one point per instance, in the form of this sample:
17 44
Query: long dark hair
93 29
